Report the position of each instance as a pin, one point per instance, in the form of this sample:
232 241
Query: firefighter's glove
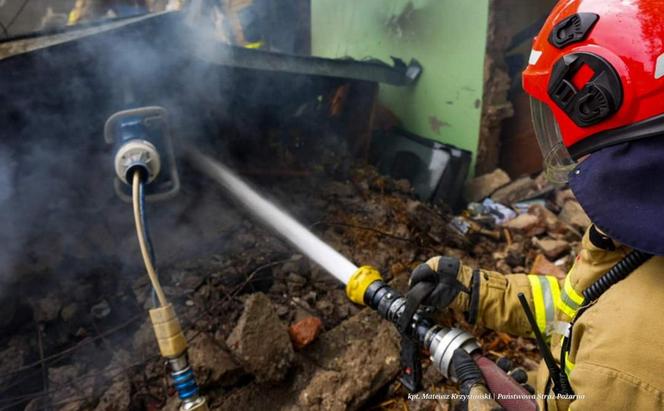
441 274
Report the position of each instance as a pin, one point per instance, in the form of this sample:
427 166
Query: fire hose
143 155
365 286
141 142
170 338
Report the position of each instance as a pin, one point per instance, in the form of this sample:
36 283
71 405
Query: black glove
517 373
467 372
443 280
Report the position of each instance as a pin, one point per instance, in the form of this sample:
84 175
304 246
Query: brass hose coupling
173 346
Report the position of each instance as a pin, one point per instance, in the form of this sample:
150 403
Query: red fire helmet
596 78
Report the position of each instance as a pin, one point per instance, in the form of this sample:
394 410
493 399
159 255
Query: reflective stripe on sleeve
570 300
545 294
569 365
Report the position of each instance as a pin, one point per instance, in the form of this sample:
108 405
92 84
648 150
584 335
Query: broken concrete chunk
260 341
356 359
483 186
527 224
552 248
211 363
573 214
305 331
515 191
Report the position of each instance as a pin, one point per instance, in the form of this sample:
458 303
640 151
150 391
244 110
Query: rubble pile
270 330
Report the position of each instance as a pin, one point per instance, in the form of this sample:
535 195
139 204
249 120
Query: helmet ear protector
586 87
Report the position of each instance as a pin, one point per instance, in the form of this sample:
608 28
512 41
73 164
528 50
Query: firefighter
596 80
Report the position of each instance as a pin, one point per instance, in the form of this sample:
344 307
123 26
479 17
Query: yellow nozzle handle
360 281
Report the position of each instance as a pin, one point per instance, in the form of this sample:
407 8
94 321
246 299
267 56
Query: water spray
365 286
144 162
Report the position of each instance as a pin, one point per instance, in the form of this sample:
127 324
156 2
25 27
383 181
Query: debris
69 311
500 213
60 376
117 397
551 221
144 343
47 308
211 363
515 191
339 189
573 214
515 259
466 227
260 341
543 266
101 309
525 205
11 359
356 359
564 196
552 248
305 331
527 224
483 186
370 218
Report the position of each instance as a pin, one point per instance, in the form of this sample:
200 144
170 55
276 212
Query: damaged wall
507 137
447 37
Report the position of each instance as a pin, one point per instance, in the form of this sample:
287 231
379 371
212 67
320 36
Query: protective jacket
615 359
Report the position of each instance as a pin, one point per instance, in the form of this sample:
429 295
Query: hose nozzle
360 281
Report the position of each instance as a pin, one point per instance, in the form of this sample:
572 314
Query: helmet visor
558 163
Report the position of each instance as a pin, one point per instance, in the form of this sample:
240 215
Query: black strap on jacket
474 304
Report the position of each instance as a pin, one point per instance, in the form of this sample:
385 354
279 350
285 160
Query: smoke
59 216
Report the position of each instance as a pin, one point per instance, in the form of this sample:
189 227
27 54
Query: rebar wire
13 401
4 30
16 16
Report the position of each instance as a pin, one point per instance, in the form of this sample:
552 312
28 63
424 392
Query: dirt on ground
268 329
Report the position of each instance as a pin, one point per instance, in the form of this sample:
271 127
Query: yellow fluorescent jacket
616 357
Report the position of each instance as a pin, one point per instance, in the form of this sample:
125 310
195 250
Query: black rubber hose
617 273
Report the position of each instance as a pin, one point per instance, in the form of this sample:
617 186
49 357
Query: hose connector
137 154
360 281
443 342
185 385
173 346
168 331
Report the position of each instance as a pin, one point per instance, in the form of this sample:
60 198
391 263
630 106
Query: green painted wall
448 37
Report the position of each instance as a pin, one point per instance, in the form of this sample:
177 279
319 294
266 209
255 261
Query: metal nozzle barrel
367 287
